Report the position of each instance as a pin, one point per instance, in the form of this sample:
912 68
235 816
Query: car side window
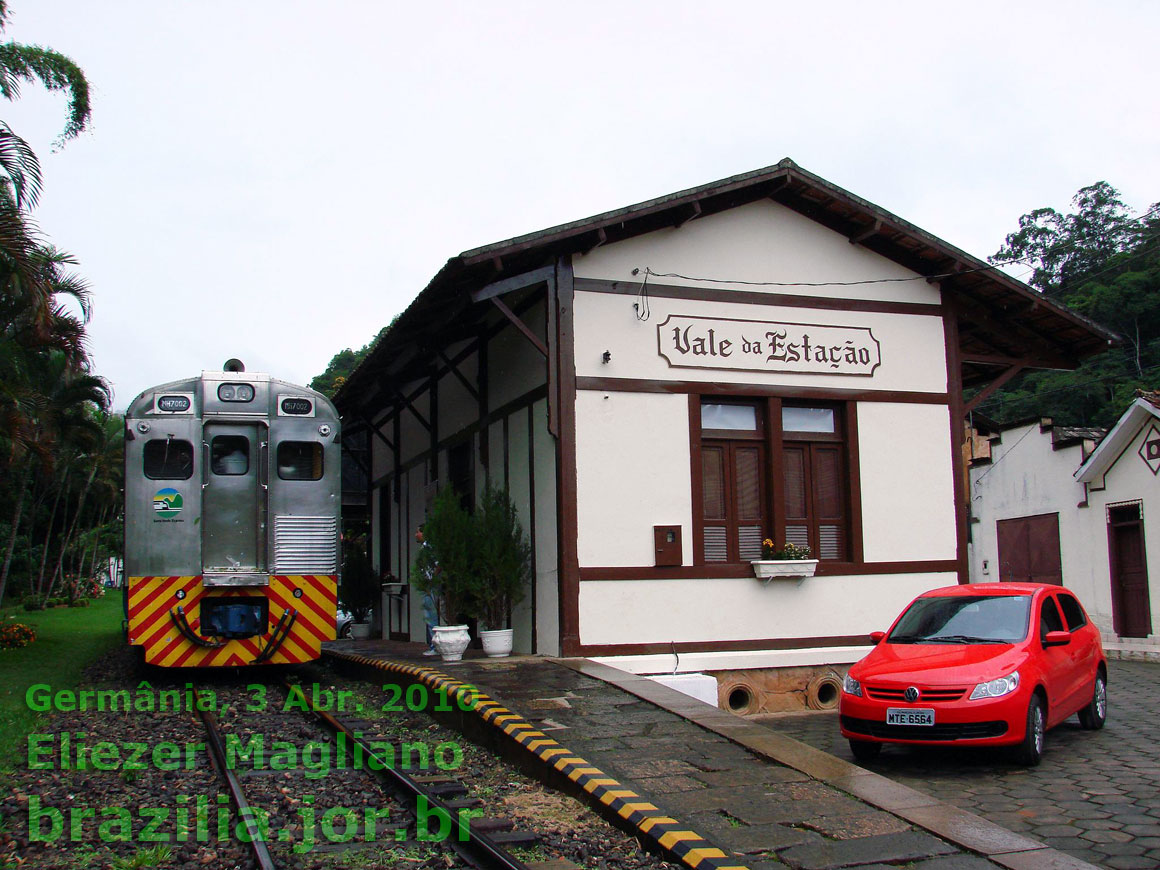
1049 619
1072 612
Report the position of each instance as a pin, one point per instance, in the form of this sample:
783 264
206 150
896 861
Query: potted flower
788 561
502 568
444 567
358 586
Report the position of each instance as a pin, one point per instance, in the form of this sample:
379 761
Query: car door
1057 662
1084 649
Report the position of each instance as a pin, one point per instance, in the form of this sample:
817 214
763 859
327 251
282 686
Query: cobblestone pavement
766 814
1096 795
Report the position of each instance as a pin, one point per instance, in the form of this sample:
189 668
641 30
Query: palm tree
29 63
58 403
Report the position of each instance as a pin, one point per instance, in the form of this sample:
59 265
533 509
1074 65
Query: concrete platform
711 789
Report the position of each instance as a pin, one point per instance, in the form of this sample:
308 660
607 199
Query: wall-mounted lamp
607 357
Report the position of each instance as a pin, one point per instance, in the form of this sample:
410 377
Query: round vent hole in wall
740 699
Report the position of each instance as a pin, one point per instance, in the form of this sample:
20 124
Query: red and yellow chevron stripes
151 599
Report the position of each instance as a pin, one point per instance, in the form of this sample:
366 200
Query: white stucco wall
762 241
633 461
907 481
1129 479
1025 478
663 611
632 473
912 346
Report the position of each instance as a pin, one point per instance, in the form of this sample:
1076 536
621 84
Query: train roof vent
305 545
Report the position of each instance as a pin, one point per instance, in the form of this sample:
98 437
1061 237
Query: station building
663 386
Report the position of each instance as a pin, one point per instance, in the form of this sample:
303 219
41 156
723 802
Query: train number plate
909 716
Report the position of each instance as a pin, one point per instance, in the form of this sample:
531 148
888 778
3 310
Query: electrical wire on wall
641 306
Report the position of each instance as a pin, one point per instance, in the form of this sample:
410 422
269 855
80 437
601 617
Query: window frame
147 448
318 447
770 425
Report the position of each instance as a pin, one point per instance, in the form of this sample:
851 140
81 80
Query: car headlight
997 688
851 686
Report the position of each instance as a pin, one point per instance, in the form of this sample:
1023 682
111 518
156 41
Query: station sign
767 346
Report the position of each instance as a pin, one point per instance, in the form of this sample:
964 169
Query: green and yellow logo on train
167 503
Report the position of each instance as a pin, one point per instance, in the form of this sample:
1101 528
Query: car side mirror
1057 638
876 637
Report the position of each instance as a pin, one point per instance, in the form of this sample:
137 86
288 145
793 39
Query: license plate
909 716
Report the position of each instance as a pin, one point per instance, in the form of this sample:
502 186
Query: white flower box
784 569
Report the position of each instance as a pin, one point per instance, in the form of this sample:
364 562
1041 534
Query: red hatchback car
983 664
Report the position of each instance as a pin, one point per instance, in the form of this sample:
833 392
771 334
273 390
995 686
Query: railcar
232 521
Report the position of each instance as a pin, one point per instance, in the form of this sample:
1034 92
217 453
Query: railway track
265 747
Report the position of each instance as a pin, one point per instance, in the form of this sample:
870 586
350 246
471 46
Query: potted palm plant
502 568
443 567
358 587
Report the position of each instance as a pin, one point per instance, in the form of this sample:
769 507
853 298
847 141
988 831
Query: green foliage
502 558
1106 266
341 365
446 564
31 63
358 588
479 565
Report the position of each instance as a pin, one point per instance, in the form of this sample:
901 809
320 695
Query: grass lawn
68 639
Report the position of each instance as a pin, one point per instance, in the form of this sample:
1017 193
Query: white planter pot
450 641
360 630
498 643
784 569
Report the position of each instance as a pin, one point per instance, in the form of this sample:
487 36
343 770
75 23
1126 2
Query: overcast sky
275 180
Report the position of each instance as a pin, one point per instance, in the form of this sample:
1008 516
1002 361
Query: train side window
229 454
168 459
300 460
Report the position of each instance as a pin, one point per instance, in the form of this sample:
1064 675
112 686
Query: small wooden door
1131 606
1029 550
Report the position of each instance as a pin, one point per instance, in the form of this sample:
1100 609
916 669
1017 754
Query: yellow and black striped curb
686 846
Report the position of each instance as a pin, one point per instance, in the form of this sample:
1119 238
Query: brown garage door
1029 550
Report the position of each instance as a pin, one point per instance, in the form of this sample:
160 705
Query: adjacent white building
663 386
1063 505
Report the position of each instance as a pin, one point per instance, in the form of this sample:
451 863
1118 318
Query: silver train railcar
232 520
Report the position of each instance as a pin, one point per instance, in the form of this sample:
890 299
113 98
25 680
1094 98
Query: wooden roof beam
861 236
993 387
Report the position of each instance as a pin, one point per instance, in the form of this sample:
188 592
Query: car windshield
964 619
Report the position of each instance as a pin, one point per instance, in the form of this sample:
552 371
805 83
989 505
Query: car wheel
345 630
864 750
1031 750
1093 716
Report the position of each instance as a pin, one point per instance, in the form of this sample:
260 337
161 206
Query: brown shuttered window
740 499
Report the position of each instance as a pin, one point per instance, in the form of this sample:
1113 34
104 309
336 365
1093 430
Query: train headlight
180 594
324 430
142 427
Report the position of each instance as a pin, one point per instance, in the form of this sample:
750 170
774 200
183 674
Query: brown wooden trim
773 443
731 570
566 489
784 391
501 413
854 474
757 297
772 643
532 515
994 386
520 325
958 437
697 479
553 336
